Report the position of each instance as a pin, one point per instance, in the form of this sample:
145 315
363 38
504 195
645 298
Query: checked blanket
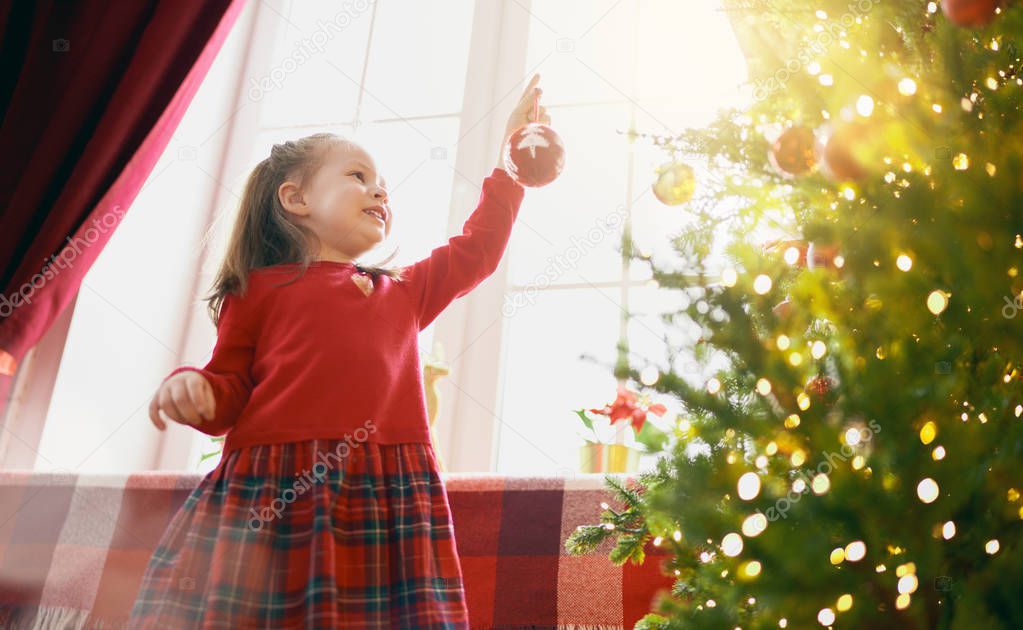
73 549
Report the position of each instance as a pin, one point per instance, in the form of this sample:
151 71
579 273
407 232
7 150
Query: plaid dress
293 535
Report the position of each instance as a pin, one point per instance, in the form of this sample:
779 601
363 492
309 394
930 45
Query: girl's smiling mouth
378 213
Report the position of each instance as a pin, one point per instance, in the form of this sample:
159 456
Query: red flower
626 408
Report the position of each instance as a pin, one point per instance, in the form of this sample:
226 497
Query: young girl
327 508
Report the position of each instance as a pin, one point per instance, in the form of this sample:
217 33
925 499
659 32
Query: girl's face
339 202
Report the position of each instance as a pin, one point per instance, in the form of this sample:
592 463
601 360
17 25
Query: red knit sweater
317 358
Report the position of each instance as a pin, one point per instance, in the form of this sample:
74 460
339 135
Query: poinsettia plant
632 408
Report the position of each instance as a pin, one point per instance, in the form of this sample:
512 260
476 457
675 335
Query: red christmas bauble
797 258
822 256
970 13
793 152
822 387
534 155
837 151
782 309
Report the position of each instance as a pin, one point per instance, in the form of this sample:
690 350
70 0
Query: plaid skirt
313 534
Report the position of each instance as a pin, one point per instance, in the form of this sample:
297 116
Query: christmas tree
854 455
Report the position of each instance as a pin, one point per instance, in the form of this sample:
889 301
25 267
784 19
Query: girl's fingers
525 106
154 414
197 398
528 92
529 95
167 406
178 407
187 403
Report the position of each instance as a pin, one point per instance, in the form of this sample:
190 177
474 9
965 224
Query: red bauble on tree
822 388
823 256
838 150
782 309
793 154
793 251
970 13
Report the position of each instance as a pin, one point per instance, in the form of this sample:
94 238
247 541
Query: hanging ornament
675 183
823 256
782 309
839 151
821 388
793 251
793 153
970 13
534 154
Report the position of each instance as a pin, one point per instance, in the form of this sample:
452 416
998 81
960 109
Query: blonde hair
263 235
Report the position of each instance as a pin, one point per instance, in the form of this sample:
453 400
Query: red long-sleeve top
317 358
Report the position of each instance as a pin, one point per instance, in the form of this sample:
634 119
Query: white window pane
544 379
647 332
419 181
646 329
418 59
567 220
585 49
314 71
688 54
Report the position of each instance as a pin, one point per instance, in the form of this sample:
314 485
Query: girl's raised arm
454 269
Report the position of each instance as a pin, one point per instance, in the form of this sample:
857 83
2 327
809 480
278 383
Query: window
608 68
421 89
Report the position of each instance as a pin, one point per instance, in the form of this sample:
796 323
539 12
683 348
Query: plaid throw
73 549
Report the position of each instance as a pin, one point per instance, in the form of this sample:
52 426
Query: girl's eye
362 177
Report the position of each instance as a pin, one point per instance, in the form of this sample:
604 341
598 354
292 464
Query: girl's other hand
185 398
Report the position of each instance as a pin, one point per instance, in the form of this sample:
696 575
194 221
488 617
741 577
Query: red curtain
90 95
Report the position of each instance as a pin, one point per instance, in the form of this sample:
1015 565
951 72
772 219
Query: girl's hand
185 398
523 114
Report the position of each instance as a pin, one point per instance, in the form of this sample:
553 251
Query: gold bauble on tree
675 183
794 152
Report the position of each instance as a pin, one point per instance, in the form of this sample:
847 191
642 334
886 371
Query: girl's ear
290 196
